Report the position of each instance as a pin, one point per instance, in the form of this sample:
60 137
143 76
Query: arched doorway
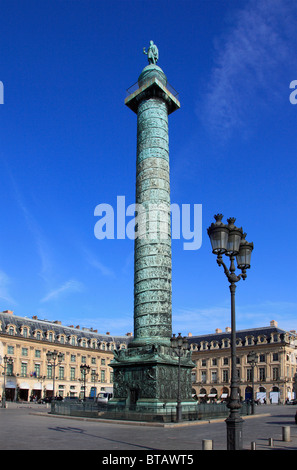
248 395
274 395
261 395
213 395
224 394
202 396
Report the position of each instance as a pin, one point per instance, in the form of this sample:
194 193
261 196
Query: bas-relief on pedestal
146 374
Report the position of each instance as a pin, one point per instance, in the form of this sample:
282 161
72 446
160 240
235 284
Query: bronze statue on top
152 53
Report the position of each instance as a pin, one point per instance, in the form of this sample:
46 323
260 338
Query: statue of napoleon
152 53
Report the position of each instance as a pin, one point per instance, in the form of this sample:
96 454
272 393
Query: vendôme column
149 375
152 263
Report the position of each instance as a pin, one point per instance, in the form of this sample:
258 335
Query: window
262 374
37 370
24 351
11 331
275 373
9 370
225 375
37 353
25 332
10 350
249 375
72 373
61 372
72 358
214 376
203 376
275 356
83 359
49 371
214 362
225 361
93 360
262 358
102 375
24 369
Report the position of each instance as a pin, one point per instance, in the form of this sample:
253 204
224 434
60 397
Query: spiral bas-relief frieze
152 264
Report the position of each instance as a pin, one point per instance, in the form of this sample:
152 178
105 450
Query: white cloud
249 65
68 287
200 321
93 261
4 289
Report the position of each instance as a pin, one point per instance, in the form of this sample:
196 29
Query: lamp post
84 370
252 359
8 361
53 358
230 241
179 345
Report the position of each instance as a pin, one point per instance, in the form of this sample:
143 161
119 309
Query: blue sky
68 143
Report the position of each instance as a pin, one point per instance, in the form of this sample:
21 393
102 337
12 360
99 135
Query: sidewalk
34 428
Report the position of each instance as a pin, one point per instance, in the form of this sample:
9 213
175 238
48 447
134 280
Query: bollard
270 442
253 445
207 444
286 433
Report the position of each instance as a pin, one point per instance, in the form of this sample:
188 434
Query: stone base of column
146 383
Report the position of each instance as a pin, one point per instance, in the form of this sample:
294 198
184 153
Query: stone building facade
274 373
27 341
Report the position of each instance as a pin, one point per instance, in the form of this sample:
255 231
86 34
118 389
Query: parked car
104 397
291 402
296 417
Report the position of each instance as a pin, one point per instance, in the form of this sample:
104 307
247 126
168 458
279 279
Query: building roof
7 317
265 331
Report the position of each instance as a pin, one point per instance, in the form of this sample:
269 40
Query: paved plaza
31 427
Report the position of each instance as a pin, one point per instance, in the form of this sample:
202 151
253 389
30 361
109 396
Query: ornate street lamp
8 361
53 358
84 370
252 359
230 241
179 345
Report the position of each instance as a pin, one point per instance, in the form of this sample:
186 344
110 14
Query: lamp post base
234 433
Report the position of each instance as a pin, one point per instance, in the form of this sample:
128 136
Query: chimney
218 330
10 312
108 333
227 329
273 323
34 317
129 334
190 334
77 327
